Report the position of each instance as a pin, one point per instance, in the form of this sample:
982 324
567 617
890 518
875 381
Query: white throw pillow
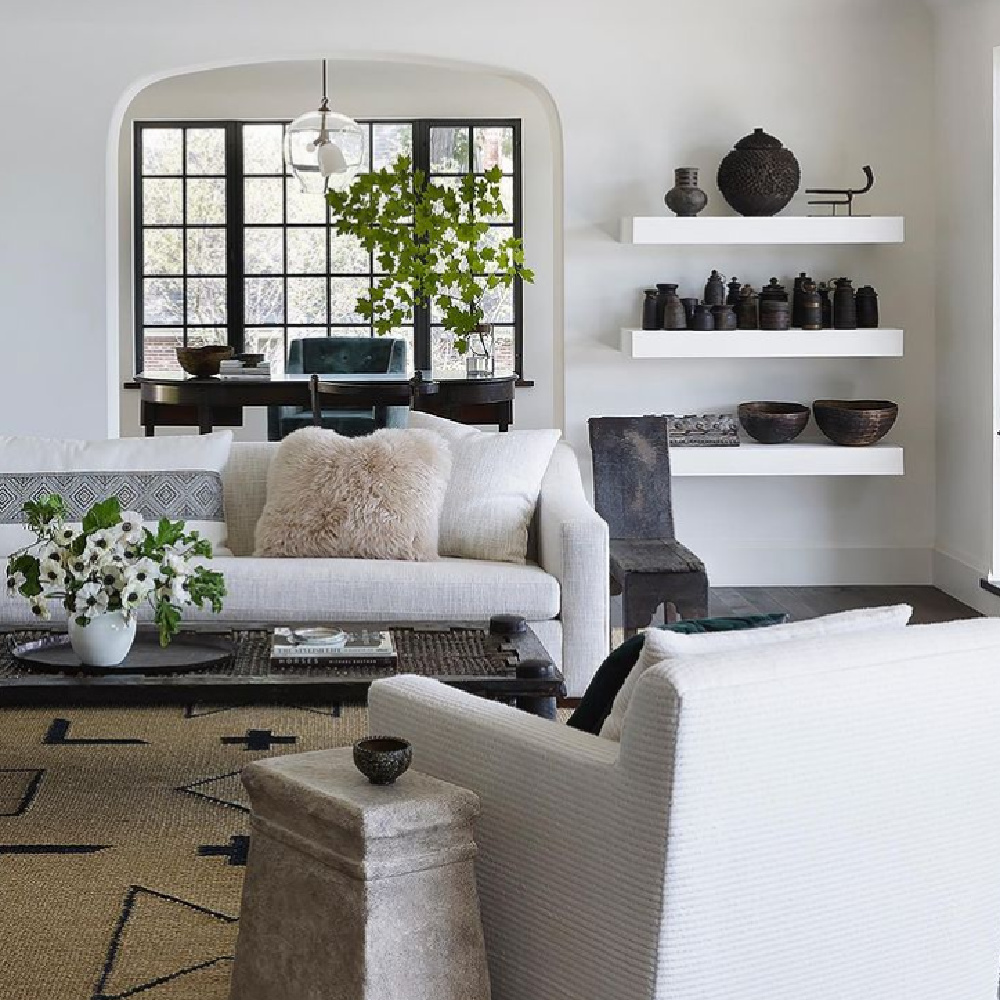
662 644
494 486
176 477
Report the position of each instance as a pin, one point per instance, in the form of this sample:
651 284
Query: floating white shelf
794 459
881 343
775 229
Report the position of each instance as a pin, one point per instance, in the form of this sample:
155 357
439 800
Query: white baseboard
962 581
775 566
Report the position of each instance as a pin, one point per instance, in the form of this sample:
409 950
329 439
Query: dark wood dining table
174 399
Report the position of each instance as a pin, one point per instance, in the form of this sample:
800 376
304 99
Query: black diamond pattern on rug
58 734
259 739
18 788
235 851
221 790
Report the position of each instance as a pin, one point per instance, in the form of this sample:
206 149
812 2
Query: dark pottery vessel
703 318
855 422
662 291
715 290
775 315
735 288
772 290
382 759
725 317
649 309
797 298
689 307
773 423
845 314
827 305
810 307
866 307
674 316
759 176
746 309
685 198
203 362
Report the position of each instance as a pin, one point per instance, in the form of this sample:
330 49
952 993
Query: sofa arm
573 547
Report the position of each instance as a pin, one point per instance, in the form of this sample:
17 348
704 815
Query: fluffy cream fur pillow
373 497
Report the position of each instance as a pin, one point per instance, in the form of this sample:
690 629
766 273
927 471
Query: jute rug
123 836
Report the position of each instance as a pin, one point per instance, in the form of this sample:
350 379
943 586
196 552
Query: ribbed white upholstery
811 822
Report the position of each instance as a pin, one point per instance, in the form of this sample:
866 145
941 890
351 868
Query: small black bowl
382 759
773 423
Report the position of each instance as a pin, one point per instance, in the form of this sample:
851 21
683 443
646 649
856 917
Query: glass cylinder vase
480 359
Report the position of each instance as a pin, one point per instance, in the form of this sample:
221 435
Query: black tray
185 654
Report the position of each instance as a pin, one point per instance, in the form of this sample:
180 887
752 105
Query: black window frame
235 224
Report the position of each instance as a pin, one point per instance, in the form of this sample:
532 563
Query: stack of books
235 369
330 647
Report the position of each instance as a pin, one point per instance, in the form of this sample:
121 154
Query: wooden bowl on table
773 423
855 423
203 362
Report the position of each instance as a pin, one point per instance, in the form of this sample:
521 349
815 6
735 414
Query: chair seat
652 556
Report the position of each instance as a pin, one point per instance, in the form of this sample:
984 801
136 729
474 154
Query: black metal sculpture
846 193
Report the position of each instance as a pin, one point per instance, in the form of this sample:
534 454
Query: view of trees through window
229 249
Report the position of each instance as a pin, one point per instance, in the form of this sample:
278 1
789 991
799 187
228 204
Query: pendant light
324 149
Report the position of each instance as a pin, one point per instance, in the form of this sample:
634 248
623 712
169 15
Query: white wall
369 90
966 34
638 88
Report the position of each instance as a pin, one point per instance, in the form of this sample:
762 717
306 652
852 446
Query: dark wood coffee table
512 668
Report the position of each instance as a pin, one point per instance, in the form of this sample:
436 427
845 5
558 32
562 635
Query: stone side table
356 891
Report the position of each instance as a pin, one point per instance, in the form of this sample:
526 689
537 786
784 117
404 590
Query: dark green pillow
595 705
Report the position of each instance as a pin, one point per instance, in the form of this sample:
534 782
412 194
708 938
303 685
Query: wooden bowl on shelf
855 423
203 362
773 423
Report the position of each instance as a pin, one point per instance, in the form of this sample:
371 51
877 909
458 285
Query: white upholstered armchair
817 821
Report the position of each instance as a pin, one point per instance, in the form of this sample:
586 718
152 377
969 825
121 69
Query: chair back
346 356
631 463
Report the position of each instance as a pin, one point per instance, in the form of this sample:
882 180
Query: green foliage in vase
433 243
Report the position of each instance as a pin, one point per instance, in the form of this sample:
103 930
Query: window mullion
234 237
422 352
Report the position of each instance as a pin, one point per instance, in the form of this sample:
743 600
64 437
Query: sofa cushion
373 497
494 486
175 477
660 646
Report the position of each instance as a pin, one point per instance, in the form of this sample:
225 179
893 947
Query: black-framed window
229 250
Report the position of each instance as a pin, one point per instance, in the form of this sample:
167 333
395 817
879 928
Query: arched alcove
376 88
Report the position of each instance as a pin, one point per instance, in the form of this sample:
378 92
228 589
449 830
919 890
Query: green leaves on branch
433 241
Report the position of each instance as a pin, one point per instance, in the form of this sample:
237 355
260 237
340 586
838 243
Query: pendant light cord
325 104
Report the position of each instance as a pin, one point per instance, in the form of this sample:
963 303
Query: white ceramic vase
104 641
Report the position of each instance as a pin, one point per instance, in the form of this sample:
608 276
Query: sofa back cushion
175 477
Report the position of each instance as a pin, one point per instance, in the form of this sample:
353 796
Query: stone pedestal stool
356 891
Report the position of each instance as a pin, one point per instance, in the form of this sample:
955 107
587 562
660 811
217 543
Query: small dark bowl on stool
382 759
855 423
773 423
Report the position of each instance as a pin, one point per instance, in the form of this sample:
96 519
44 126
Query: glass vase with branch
438 250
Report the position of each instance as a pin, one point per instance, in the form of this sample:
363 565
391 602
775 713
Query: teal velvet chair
340 356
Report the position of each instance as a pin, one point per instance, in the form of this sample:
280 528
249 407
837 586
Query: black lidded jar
797 299
866 307
649 310
746 309
845 315
810 307
827 306
715 290
772 290
662 291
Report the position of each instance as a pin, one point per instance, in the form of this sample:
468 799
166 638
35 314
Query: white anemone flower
64 535
91 600
133 596
78 567
15 581
144 573
177 564
40 609
102 541
131 526
51 572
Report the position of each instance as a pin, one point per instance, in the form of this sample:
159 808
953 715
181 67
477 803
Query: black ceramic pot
674 316
866 307
715 290
649 309
689 307
759 176
810 307
685 198
746 309
703 318
845 314
725 317
775 314
382 759
773 423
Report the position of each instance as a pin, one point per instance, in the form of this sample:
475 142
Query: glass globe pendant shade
324 150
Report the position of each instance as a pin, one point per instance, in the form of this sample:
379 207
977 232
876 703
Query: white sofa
811 821
563 591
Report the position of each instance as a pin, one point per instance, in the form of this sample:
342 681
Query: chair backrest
834 807
631 463
346 356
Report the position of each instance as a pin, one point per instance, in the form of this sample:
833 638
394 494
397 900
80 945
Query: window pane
162 150
206 300
307 252
262 199
304 206
347 255
498 305
206 151
270 343
264 300
206 251
390 141
162 251
307 300
163 301
493 147
159 350
202 336
262 251
503 346
450 150
262 153
344 294
162 202
445 360
206 202
507 196
406 333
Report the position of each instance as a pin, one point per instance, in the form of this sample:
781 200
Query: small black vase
845 314
810 307
685 198
733 297
649 310
662 291
725 317
715 290
866 306
826 304
746 309
674 316
703 318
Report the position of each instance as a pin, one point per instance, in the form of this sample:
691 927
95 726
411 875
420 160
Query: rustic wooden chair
649 567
